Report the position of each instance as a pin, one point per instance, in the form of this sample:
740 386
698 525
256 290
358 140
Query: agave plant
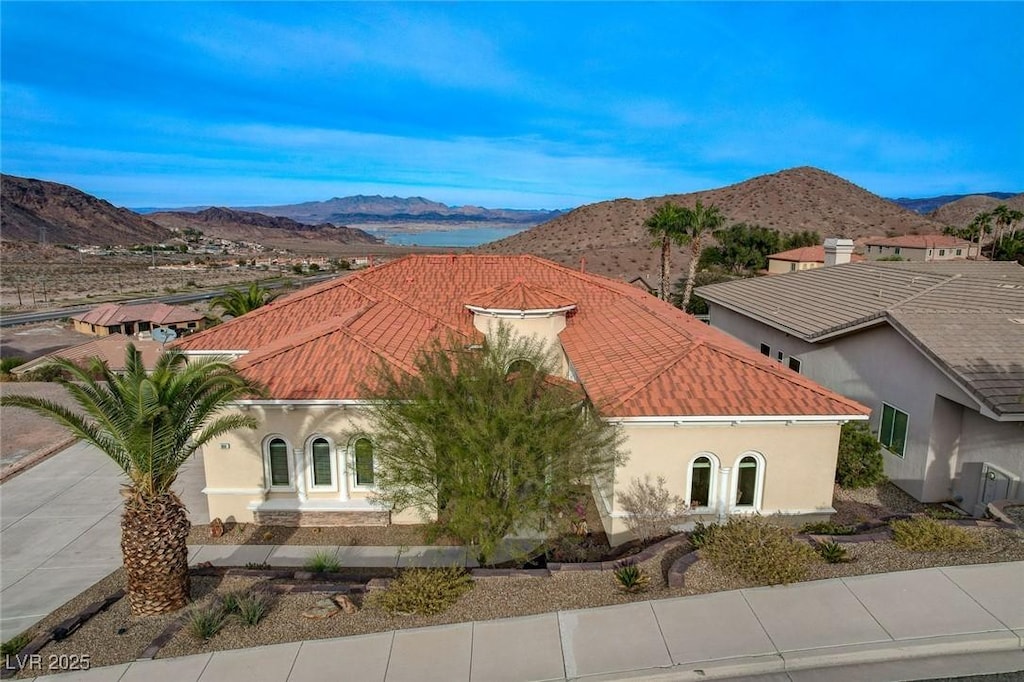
150 424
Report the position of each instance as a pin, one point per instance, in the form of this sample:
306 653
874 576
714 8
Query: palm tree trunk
666 246
153 540
691 274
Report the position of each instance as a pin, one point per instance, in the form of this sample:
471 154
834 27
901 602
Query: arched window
363 456
321 463
278 464
702 487
749 478
521 367
700 482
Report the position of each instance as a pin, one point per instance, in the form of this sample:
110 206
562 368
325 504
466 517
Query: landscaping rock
303 575
376 584
323 608
216 528
346 604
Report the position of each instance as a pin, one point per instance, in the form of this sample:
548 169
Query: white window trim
734 484
267 478
352 464
311 486
712 487
906 436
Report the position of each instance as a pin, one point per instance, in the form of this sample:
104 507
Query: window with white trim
320 462
702 478
794 364
278 464
748 479
766 349
892 430
362 456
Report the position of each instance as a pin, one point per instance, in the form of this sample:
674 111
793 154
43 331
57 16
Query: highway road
172 299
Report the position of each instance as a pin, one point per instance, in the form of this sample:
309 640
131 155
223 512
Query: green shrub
258 566
424 591
7 364
701 533
45 372
15 644
631 578
229 601
924 534
826 528
323 561
252 607
204 623
940 513
758 551
860 461
832 552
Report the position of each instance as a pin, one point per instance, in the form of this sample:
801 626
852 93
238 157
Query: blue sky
514 105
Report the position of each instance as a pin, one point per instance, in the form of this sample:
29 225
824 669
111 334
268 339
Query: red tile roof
808 254
157 313
518 295
107 348
634 355
920 241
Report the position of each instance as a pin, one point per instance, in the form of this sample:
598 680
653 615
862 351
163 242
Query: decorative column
343 475
300 479
724 502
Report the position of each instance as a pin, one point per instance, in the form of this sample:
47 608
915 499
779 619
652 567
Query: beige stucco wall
545 329
875 252
797 476
778 267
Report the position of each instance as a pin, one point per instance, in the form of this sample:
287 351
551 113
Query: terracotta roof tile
633 354
808 254
919 241
158 313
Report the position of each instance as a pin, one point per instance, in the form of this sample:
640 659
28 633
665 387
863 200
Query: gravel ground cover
495 597
872 504
1016 513
376 536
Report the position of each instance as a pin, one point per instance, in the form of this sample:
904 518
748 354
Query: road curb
30 460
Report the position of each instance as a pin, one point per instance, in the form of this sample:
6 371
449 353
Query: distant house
920 247
109 348
111 318
936 350
835 251
730 431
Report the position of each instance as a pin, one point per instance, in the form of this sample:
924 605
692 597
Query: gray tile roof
967 316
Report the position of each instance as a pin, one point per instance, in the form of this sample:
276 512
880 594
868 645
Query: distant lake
469 236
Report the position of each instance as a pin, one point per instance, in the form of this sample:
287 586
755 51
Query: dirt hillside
611 237
961 212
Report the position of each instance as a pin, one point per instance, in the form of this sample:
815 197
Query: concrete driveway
60 530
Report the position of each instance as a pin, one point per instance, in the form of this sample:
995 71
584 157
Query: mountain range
234 225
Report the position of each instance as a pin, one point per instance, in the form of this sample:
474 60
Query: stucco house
730 430
109 348
832 252
113 318
936 350
920 247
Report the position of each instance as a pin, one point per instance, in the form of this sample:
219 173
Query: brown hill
36 210
612 238
226 223
961 212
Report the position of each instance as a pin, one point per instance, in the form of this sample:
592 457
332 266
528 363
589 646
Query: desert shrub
832 552
424 591
229 601
8 364
651 509
15 644
924 534
575 549
323 561
941 513
826 528
204 623
631 578
860 461
701 533
758 551
258 566
251 607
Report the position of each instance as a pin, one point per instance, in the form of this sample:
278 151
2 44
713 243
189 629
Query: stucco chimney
838 251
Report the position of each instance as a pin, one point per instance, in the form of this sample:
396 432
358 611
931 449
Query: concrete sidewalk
799 631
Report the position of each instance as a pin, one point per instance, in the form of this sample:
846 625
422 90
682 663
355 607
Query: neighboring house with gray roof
935 349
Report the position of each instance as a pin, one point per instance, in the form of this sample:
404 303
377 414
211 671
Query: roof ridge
405 303
301 337
657 373
927 290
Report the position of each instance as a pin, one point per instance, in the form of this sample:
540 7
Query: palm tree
697 223
149 424
236 302
1005 218
981 225
665 226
